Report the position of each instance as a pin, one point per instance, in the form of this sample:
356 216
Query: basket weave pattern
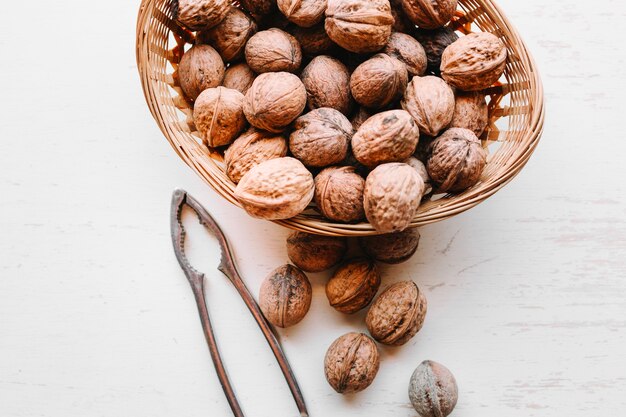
516 112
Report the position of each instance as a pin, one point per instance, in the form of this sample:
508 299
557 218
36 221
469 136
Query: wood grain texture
526 292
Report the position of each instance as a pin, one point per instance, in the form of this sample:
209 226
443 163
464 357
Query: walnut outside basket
516 111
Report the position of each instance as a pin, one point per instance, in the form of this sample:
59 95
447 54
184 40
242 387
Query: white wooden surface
527 292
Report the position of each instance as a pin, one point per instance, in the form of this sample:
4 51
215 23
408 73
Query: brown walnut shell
435 42
229 37
360 116
201 67
392 195
218 115
320 138
200 14
457 160
259 8
391 248
431 103
315 253
474 62
379 81
276 189
339 194
273 50
314 41
429 14
351 363
327 83
285 296
353 285
433 390
397 314
389 136
407 50
274 100
420 167
304 13
239 77
250 149
401 21
359 26
470 112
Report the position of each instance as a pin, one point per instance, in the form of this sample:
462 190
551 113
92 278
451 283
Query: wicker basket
516 111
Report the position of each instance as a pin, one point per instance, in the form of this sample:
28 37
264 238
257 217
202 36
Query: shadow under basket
516 113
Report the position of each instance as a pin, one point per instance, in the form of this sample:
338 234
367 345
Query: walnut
339 194
273 50
200 14
351 363
431 103
401 21
389 136
320 137
229 37
258 8
360 117
327 83
304 13
239 77
274 100
474 62
218 115
429 14
314 40
391 248
276 189
470 112
315 253
420 167
397 314
408 51
392 195
250 149
379 81
434 43
433 390
353 285
457 160
200 68
285 296
359 26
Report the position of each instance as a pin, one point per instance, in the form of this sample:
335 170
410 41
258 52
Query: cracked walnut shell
456 160
389 136
339 194
392 195
285 296
359 26
273 50
315 253
320 138
351 363
429 14
379 81
397 314
276 189
431 103
201 67
353 285
218 115
229 37
200 14
474 62
274 100
250 149
327 83
305 13
407 50
391 248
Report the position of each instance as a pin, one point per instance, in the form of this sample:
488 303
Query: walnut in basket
435 42
201 67
359 26
408 51
250 149
431 103
218 115
273 50
327 83
470 112
339 194
305 13
285 296
259 8
314 40
276 189
474 62
229 37
274 100
379 81
239 77
429 14
456 161
200 14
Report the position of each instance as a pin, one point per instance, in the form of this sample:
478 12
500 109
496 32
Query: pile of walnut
328 100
